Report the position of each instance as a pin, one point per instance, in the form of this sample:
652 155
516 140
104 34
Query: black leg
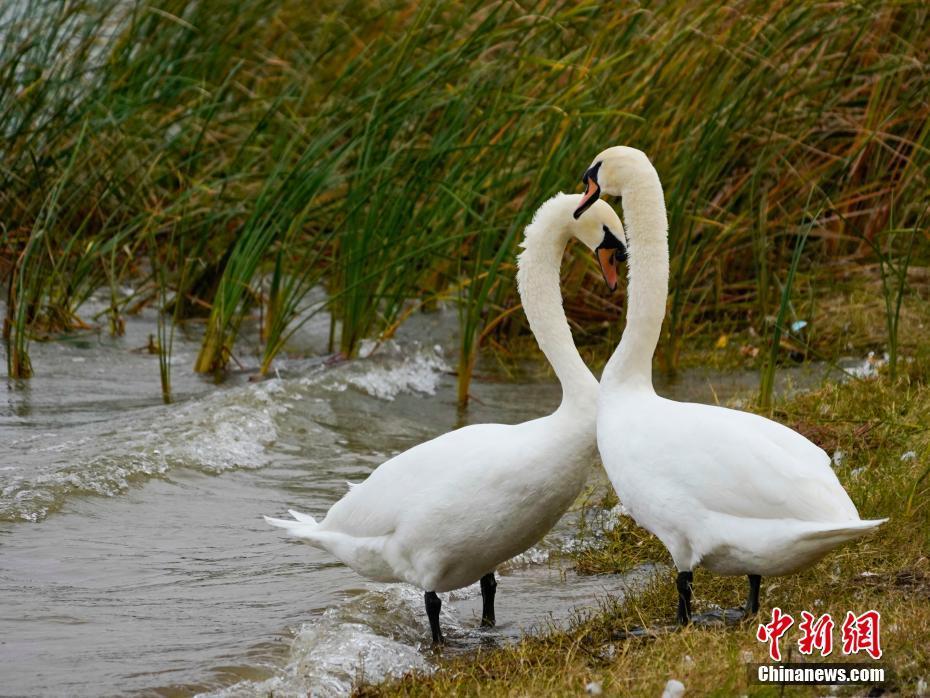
488 589
683 583
752 603
433 606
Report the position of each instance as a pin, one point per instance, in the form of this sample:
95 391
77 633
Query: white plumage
447 512
729 490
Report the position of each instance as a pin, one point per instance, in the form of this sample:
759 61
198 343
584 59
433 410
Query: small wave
385 371
537 555
230 428
225 430
383 633
372 637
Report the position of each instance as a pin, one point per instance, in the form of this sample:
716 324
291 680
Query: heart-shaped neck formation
538 284
646 225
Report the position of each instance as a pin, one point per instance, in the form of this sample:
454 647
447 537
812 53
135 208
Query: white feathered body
446 512
725 489
728 490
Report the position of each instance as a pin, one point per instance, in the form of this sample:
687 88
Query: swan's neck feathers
647 290
538 284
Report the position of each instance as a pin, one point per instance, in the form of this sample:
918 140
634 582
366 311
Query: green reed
780 326
894 285
228 157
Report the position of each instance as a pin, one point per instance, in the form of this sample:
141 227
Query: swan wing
754 467
735 463
456 466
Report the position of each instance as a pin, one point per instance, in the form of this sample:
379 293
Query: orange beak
608 262
591 194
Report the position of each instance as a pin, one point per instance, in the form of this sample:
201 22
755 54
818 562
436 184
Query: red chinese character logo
817 634
862 633
772 632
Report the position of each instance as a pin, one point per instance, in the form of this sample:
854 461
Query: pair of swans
729 490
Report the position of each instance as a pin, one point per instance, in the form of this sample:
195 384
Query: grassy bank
222 158
880 429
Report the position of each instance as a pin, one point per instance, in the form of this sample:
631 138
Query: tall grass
894 270
392 151
780 326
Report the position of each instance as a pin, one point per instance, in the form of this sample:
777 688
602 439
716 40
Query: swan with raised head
447 512
728 490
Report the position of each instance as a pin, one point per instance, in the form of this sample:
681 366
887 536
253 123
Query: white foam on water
383 633
372 637
537 555
420 373
224 430
230 428
386 370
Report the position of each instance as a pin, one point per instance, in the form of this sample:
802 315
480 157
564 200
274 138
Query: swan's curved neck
538 283
646 226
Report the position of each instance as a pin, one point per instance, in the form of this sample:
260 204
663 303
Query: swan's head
603 234
611 171
600 230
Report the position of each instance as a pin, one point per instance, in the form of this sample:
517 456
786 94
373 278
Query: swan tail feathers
363 554
303 518
302 526
848 530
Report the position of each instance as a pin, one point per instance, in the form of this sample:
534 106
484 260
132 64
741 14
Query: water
133 556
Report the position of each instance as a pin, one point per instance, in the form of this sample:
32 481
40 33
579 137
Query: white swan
729 490
447 512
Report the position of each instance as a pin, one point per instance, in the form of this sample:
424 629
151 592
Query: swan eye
610 242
